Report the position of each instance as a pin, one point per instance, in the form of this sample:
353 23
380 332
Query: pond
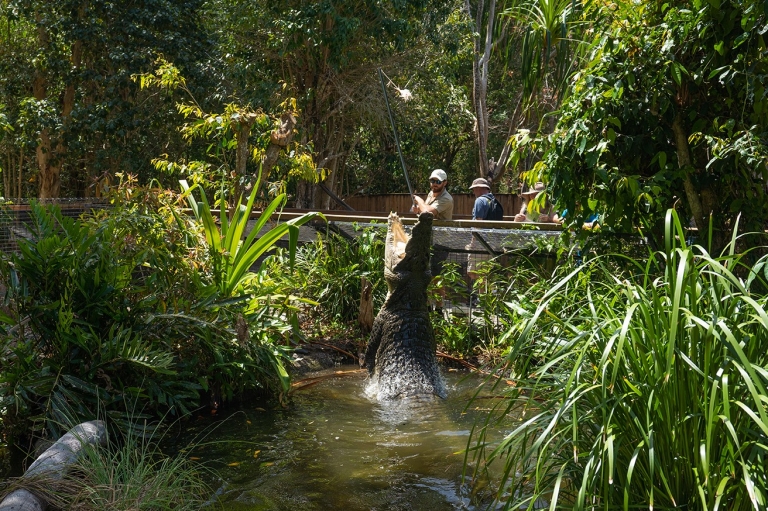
334 448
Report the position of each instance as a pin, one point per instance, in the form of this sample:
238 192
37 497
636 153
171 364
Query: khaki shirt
533 216
443 203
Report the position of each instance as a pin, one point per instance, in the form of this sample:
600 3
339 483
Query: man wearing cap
439 202
546 214
483 197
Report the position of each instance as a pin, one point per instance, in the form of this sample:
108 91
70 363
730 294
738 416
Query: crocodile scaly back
401 353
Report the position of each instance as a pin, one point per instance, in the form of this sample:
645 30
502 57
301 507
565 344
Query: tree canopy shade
670 109
67 89
326 53
667 105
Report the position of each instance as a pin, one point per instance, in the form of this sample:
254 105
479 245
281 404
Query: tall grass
642 389
129 473
136 475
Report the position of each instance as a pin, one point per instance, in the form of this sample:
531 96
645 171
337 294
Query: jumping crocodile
401 352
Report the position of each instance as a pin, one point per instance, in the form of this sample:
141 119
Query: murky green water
334 448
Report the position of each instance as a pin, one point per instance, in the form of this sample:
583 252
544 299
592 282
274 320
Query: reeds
642 389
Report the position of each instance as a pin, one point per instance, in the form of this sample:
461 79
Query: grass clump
128 473
644 388
137 476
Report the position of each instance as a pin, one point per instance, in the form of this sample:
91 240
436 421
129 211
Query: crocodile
401 353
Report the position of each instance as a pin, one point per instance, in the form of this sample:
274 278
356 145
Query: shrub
329 272
646 389
89 320
132 305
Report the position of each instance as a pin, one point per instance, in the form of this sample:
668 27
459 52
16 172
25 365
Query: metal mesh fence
15 216
464 246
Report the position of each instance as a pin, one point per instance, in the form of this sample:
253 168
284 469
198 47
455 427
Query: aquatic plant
639 389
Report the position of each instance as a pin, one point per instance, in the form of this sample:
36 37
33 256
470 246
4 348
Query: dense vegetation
641 378
139 308
625 108
638 383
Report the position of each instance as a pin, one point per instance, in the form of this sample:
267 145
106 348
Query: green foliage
482 329
254 358
452 333
641 388
323 53
221 131
82 333
546 56
328 272
86 53
668 105
231 256
133 305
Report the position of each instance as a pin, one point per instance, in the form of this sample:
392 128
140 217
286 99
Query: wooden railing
401 203
410 218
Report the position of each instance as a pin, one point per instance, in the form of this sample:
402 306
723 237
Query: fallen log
53 465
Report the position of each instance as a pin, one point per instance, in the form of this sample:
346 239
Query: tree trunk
44 150
304 189
278 141
685 163
480 80
333 155
499 168
7 175
49 160
327 132
243 132
20 173
304 194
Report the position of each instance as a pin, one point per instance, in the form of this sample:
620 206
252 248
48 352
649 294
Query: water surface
334 448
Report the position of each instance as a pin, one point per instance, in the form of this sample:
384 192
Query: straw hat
537 188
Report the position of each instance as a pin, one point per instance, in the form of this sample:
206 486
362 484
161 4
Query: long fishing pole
394 130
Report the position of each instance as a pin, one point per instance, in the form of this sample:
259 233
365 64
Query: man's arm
420 206
481 208
521 217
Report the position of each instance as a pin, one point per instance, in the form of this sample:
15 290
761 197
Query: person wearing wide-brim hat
483 197
546 214
438 202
